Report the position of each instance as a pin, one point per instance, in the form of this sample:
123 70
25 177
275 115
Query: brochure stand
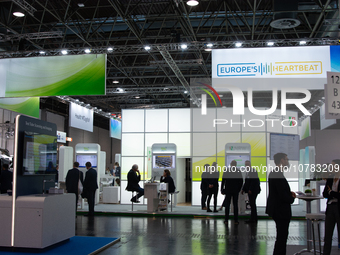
163 197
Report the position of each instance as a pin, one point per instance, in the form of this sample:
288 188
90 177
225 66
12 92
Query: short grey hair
135 166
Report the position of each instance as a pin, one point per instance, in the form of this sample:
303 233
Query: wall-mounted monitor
240 159
164 161
285 143
83 158
39 153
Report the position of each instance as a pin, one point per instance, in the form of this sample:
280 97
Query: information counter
43 220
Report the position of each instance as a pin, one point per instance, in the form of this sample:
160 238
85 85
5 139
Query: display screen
115 129
285 143
82 159
40 153
164 161
240 159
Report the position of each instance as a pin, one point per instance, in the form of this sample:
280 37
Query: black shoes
134 200
209 210
250 221
215 210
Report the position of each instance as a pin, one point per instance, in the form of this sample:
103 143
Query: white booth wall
196 138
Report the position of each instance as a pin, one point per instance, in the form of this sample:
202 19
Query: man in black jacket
72 179
133 178
252 187
213 177
232 182
204 186
279 202
6 179
90 187
332 193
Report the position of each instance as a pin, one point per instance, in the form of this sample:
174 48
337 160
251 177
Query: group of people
231 186
133 179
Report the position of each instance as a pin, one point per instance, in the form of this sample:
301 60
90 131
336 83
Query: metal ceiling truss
158 76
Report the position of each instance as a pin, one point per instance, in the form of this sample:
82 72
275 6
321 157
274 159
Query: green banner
25 105
53 76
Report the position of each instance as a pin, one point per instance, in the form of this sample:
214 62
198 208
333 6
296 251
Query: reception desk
43 220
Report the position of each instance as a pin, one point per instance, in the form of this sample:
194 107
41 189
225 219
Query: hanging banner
26 105
281 67
53 76
81 117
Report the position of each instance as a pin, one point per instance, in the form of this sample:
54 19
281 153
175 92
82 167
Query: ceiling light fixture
64 52
210 45
19 14
110 49
115 82
238 44
42 52
147 47
270 43
192 2
208 49
137 97
303 42
184 46
87 51
81 5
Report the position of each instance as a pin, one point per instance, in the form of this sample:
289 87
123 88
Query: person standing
213 186
90 187
279 202
331 192
232 182
72 180
252 188
117 170
204 186
6 179
133 178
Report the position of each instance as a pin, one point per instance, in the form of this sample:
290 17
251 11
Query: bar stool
133 194
316 217
176 192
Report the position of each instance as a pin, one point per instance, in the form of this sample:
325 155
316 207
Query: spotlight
41 52
270 43
115 82
207 49
184 46
109 49
64 52
81 5
209 45
137 97
87 51
19 14
238 44
192 2
147 47
303 42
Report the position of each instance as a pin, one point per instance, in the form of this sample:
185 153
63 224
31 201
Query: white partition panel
292 127
253 123
156 120
227 120
273 122
203 123
224 138
261 199
204 144
179 120
183 143
150 139
132 144
133 121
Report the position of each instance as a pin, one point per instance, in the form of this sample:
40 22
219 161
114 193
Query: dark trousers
226 203
332 218
212 191
204 198
90 200
253 209
282 226
139 194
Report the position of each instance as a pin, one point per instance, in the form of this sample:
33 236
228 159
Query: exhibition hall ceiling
159 76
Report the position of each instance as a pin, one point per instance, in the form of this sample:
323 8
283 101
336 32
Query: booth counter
43 220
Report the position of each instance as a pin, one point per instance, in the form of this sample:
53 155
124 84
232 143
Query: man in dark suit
252 188
6 179
232 182
213 177
72 179
279 202
90 187
133 178
204 187
332 193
